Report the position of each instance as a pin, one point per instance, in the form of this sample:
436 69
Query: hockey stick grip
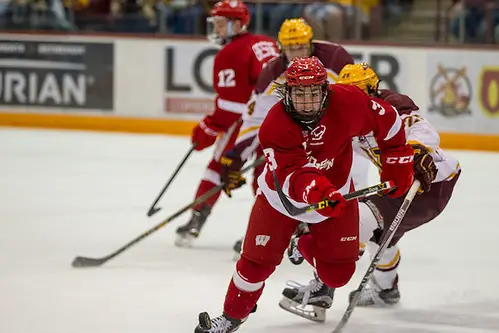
359 194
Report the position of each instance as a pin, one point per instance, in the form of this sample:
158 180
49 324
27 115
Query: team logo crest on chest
317 134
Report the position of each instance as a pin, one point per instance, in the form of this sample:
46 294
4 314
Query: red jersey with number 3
235 73
298 156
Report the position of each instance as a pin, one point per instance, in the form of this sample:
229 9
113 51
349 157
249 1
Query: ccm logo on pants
348 239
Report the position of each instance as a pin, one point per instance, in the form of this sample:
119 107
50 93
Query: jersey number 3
377 107
226 78
269 154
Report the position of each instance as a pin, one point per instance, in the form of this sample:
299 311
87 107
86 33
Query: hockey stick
384 244
153 209
293 210
93 262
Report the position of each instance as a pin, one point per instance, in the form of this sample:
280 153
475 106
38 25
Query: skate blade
378 304
315 314
185 240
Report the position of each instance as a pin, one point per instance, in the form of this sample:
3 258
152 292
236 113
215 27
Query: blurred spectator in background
191 19
468 17
334 19
136 16
34 14
91 15
191 16
279 12
393 10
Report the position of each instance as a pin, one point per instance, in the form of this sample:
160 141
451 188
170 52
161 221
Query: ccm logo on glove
399 160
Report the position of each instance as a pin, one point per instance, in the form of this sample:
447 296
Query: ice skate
308 301
373 295
294 254
221 324
191 230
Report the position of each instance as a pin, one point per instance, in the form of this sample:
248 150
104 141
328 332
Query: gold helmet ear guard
361 75
294 32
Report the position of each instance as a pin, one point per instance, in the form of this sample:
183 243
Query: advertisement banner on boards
60 75
388 62
189 73
463 91
189 78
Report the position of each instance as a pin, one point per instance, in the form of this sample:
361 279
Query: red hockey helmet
230 10
307 71
233 10
306 92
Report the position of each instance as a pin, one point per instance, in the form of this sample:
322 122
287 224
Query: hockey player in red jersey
307 141
438 172
295 40
236 69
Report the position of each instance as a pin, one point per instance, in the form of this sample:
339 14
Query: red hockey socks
306 248
238 303
245 287
204 187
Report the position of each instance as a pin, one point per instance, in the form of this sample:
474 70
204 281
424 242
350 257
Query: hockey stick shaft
92 262
384 244
153 209
293 210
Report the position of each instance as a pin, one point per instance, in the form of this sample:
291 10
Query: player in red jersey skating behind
307 141
235 72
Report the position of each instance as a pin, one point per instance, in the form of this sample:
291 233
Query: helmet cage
310 119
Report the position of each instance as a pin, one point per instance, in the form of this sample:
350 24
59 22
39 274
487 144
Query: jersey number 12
226 78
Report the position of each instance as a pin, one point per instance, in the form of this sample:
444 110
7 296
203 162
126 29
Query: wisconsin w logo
261 240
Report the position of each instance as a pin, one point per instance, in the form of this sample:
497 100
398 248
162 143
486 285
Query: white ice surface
64 194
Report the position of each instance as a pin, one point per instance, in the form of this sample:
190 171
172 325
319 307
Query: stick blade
153 211
82 262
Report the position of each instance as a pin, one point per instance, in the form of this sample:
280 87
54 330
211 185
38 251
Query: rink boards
164 85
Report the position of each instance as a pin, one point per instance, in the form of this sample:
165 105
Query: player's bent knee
335 275
251 274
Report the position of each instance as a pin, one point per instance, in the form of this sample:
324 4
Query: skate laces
220 325
295 253
313 286
370 295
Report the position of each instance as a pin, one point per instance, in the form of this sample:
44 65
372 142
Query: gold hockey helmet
294 31
360 75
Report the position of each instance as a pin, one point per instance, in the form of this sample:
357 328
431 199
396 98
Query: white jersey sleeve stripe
394 129
231 106
244 285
